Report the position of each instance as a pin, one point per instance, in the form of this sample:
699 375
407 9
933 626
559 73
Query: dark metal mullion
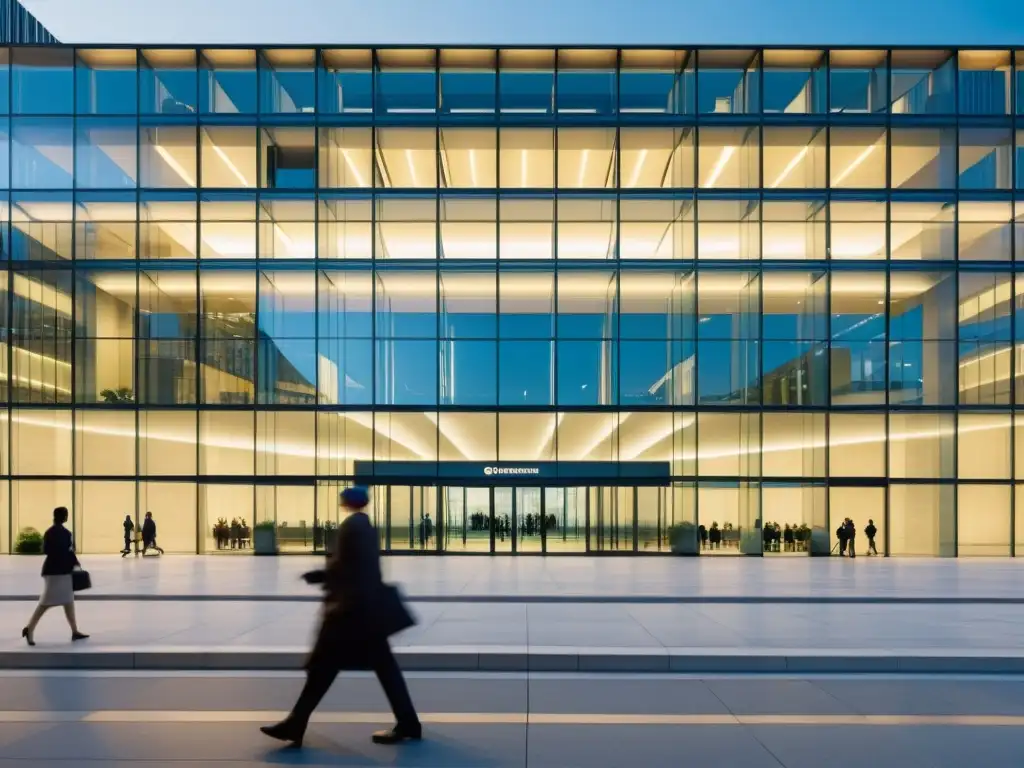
827 469
1013 305
74 292
196 333
888 303
8 468
439 340
955 60
317 61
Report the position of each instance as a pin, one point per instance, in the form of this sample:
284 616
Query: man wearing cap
360 613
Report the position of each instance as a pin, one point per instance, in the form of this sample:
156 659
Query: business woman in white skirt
59 549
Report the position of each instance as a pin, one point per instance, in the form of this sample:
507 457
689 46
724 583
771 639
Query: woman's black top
59 548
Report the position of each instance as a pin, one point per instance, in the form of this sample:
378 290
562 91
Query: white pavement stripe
510 718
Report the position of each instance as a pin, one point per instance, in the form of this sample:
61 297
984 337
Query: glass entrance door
530 517
503 519
411 516
566 519
465 522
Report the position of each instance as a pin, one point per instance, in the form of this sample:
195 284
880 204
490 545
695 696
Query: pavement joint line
515 718
561 599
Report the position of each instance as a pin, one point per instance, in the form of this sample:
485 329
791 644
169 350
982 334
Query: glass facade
540 300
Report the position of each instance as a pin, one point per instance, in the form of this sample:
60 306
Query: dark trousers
871 545
321 676
127 544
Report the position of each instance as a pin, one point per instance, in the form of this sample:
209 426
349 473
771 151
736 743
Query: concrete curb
560 599
546 660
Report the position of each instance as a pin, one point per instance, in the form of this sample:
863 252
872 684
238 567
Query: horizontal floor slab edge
424 660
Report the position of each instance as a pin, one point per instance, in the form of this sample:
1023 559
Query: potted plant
264 538
119 395
683 538
221 533
29 542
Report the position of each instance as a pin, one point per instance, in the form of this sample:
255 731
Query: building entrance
524 519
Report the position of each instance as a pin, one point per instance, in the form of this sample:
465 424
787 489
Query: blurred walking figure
58 589
870 531
149 534
360 613
129 528
851 537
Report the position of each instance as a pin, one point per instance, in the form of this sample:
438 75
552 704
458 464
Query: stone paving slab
552 579
541 637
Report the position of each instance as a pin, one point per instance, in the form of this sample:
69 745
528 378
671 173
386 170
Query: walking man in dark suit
360 613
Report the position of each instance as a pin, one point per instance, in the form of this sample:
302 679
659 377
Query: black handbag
390 612
80 580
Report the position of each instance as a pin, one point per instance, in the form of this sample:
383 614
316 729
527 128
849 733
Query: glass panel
922 520
530 519
43 81
105 82
794 158
227 442
729 158
794 81
174 507
566 510
468 81
42 153
866 507
983 446
727 82
345 231
587 81
106 153
287 81
858 230
168 84
100 509
167 442
923 82
227 82
857 445
288 159
655 82
984 335
41 443
925 158
858 81
406 82
466 523
526 82
858 158
984 86
921 445
922 327
727 337
857 349
986 158
346 82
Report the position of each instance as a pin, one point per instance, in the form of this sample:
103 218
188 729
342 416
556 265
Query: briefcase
391 615
80 580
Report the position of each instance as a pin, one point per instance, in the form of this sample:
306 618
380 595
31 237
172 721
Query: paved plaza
68 720
536 579
596 614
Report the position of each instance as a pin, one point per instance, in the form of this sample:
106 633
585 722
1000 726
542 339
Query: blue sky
678 22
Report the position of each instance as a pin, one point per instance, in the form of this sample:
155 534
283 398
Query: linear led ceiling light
231 166
175 166
853 166
353 168
412 167
472 168
727 152
792 164
583 167
636 169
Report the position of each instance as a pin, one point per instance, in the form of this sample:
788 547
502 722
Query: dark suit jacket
59 548
353 578
360 611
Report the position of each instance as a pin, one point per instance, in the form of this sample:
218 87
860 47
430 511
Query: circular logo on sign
488 471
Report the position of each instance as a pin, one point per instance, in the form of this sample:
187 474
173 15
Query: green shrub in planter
683 538
29 542
264 538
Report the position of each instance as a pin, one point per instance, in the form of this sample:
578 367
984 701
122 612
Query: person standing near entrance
129 528
851 537
870 531
841 535
360 613
149 534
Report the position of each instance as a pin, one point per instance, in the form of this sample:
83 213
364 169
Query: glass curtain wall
785 281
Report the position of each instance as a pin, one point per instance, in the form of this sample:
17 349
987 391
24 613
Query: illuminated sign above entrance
512 471
536 473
